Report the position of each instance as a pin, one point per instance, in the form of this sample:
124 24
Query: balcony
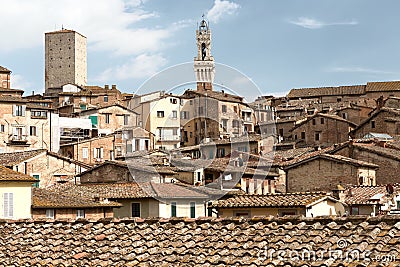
18 140
168 138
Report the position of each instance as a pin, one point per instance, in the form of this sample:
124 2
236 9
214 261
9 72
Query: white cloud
310 23
142 66
221 8
359 70
109 25
19 82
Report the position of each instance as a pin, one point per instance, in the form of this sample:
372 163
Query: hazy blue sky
278 44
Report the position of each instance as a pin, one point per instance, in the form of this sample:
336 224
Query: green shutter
94 121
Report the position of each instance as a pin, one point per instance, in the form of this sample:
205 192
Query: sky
276 45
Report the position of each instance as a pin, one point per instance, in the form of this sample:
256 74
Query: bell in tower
204 62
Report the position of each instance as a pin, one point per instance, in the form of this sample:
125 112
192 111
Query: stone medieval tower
65 58
204 62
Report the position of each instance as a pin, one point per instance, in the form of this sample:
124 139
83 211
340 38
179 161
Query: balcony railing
168 138
18 139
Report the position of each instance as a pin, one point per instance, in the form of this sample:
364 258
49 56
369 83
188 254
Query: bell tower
204 62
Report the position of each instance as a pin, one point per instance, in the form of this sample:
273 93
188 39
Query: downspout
50 143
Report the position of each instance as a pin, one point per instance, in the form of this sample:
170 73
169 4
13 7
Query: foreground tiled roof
263 241
8 175
270 200
14 158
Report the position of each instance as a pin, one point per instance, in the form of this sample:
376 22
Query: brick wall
320 174
330 132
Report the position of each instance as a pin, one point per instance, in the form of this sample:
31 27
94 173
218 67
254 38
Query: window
50 213
107 118
317 137
160 114
287 212
354 211
398 204
344 116
173 100
8 204
303 135
224 108
126 119
175 131
32 131
80 214
135 209
98 153
322 121
192 209
201 110
235 124
37 177
19 110
185 114
198 176
361 180
241 213
82 106
85 152
235 109
83 98
174 114
221 152
224 124
191 102
106 98
38 114
313 121
173 209
372 124
2 128
18 133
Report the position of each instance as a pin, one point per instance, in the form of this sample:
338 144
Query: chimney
106 86
114 86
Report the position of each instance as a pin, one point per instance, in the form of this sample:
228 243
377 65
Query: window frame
140 209
192 206
174 209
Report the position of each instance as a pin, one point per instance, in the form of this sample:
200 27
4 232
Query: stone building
26 126
65 58
48 168
60 203
322 130
323 172
383 120
5 78
308 204
95 150
383 154
160 115
110 118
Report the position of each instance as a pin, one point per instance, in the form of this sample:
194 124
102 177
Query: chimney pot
114 86
106 86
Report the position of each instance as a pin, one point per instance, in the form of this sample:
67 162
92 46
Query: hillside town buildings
84 152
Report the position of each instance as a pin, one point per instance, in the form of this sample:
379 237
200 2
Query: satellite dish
389 189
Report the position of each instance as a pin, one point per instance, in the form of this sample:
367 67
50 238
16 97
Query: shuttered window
8 205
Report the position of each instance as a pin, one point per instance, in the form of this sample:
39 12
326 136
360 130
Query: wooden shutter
23 110
94 153
8 205
14 110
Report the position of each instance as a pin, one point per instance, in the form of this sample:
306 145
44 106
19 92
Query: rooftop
363 195
270 200
202 242
8 175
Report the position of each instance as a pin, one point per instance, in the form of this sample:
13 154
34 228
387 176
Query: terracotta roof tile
46 198
14 158
270 200
3 69
261 241
363 194
383 86
327 91
8 175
